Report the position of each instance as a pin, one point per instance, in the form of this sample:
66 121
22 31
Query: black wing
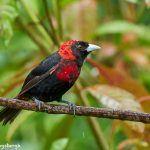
43 70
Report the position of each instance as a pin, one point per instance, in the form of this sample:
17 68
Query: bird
52 78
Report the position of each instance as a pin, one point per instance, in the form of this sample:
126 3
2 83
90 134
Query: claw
72 106
38 102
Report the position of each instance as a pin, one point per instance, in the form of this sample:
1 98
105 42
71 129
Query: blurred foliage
115 77
8 13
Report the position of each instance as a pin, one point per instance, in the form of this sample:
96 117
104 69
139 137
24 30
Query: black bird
54 76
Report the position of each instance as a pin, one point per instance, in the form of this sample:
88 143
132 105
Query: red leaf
120 78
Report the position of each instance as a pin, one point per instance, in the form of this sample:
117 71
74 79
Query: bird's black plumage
36 89
49 88
52 77
43 67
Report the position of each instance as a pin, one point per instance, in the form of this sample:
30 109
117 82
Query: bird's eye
79 47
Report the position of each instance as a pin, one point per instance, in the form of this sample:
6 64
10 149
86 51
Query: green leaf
66 2
7 14
59 144
121 26
6 31
118 27
133 1
8 11
18 122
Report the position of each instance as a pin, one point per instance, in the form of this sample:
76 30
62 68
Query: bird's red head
65 50
74 49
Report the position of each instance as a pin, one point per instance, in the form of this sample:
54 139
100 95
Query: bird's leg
38 102
71 106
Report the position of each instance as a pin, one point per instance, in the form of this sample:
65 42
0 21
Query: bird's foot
38 102
71 105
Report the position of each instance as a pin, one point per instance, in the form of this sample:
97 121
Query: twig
93 122
59 19
80 110
52 33
34 18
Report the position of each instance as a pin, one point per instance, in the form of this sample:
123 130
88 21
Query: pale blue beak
92 47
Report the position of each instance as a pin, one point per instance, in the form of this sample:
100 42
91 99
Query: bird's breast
68 72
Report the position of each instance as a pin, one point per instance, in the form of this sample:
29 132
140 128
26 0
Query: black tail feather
7 115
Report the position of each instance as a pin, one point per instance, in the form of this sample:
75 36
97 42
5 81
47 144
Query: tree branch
80 110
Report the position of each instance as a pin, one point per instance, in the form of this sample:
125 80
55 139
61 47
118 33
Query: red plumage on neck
65 50
68 73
